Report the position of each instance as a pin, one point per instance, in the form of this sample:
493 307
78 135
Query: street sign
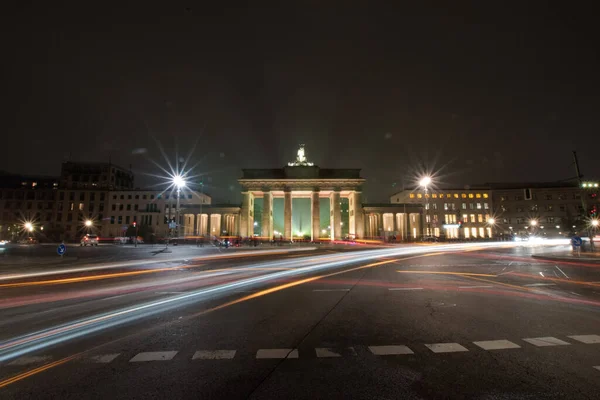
576 241
61 249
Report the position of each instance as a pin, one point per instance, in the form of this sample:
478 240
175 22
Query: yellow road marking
37 370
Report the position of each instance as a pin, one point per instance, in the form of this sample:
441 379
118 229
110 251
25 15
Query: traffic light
460 224
594 211
134 224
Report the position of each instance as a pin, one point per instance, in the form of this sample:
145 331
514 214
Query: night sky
484 94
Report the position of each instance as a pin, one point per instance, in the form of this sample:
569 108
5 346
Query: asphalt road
422 322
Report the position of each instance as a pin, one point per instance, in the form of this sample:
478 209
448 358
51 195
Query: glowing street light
425 182
29 226
533 222
491 221
595 223
88 223
179 183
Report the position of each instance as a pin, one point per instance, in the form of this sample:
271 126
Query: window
152 197
91 208
534 207
472 217
61 196
479 217
465 218
114 196
434 206
120 207
101 207
448 196
518 197
470 195
71 206
135 207
114 207
486 206
562 196
427 206
70 217
481 232
80 207
419 195
127 219
129 197
29 205
428 218
463 196
550 219
506 220
474 232
562 207
471 206
548 197
412 196
122 196
466 233
456 195
479 206
549 207
434 196
520 220
137 196
112 219
120 219
485 195
446 206
144 197
478 195
82 196
503 198
463 206
426 196
128 207
101 196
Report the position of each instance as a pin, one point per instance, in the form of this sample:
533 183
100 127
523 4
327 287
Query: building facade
90 175
452 213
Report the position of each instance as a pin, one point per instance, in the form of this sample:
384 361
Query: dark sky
484 93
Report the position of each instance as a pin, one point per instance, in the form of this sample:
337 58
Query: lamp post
491 221
179 183
425 182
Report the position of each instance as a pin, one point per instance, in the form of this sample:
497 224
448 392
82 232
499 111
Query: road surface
482 321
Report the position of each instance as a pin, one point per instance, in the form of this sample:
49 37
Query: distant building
94 175
452 213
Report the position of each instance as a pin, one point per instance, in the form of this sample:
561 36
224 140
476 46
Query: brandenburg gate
302 179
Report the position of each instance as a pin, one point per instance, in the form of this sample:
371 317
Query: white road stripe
390 350
497 344
406 288
562 272
277 353
331 290
540 284
446 347
597 367
154 356
213 355
475 286
27 360
546 341
587 339
104 358
325 352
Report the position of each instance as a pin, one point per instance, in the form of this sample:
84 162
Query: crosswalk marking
496 344
324 352
587 339
446 347
154 356
546 341
27 360
104 358
390 350
277 353
213 354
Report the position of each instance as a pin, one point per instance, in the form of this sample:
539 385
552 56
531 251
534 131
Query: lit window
478 195
485 195
419 195
465 218
80 206
472 218
448 196
412 196
456 195
470 195
466 233
474 232
481 234
463 195
479 218
479 206
426 196
489 231
463 206
486 206
434 196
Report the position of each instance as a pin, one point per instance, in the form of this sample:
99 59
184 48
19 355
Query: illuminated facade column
357 225
203 224
215 224
401 226
195 225
267 215
287 214
316 215
247 216
335 215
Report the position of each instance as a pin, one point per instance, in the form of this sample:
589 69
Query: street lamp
88 223
425 182
595 223
179 183
28 226
533 222
491 221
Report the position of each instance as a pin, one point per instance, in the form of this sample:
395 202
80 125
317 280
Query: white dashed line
446 347
324 352
406 288
546 341
390 350
214 355
562 272
497 344
154 356
277 353
331 290
587 339
104 358
27 360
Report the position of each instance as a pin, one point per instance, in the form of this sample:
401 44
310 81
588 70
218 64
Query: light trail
28 343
